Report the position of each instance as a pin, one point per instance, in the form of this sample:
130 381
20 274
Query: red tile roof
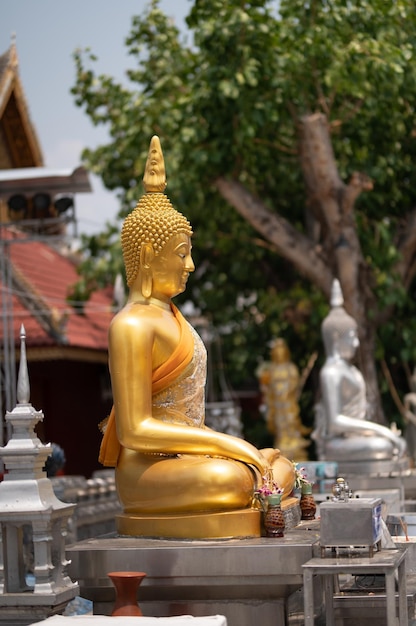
42 278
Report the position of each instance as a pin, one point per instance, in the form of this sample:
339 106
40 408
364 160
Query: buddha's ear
147 254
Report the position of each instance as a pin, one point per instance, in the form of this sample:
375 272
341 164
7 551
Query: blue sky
47 33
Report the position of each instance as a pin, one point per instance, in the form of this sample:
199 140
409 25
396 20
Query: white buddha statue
343 431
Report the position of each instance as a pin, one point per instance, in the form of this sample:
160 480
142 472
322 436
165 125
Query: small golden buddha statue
175 477
279 385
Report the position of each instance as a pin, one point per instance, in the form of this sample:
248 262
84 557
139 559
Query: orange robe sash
162 377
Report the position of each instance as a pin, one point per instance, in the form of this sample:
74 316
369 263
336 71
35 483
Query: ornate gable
19 145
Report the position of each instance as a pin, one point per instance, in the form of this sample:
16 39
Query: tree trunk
334 202
339 254
334 209
303 253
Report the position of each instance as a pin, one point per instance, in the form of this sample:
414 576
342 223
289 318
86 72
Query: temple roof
32 179
19 145
41 280
42 271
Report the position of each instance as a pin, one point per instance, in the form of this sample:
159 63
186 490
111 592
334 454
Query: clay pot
274 521
126 585
307 503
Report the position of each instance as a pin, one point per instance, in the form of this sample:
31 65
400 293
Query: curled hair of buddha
337 323
154 220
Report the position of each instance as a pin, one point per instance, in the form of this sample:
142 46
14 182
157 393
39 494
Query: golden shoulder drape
162 377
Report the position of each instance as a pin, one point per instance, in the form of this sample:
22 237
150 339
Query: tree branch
335 124
289 243
359 182
318 161
277 145
393 391
334 201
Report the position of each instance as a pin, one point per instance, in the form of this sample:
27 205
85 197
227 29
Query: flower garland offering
269 488
301 477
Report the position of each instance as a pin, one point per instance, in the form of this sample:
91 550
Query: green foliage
227 103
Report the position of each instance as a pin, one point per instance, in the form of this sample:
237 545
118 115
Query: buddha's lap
357 446
141 478
148 482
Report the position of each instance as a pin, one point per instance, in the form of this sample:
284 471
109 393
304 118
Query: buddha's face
171 267
348 344
280 352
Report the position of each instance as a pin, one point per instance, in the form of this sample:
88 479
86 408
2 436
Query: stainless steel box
356 522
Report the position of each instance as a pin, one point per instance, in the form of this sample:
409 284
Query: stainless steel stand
387 562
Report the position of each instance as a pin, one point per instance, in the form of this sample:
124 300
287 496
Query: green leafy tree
289 137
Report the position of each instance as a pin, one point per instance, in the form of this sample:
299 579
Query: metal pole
12 351
2 363
8 361
8 373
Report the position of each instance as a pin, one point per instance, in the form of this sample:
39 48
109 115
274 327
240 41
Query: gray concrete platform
247 580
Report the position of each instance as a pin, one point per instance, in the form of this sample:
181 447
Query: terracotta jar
126 585
274 521
307 502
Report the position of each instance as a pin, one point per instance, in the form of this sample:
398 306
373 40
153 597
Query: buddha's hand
265 465
270 454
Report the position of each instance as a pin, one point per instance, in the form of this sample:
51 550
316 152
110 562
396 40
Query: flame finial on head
154 179
337 298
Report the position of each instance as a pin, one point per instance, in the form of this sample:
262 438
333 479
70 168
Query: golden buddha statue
175 477
279 385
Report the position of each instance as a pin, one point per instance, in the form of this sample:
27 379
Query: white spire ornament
32 519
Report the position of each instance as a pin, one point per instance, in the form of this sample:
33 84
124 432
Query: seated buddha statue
343 430
175 477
